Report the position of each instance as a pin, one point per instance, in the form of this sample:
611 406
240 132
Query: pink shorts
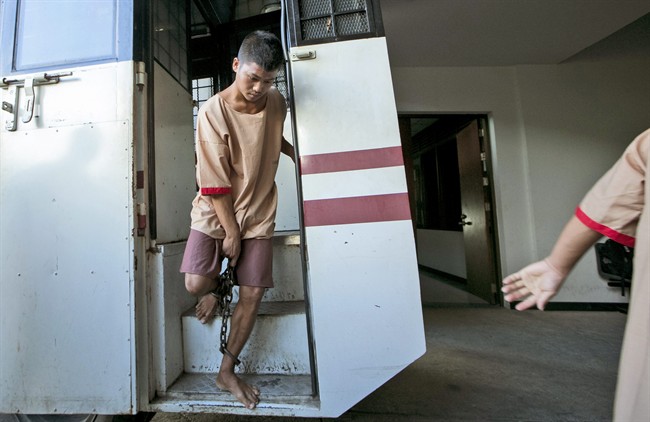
254 267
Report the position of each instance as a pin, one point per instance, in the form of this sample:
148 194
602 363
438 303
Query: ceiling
500 32
474 32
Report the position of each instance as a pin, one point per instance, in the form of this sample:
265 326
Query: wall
579 116
554 130
442 250
491 91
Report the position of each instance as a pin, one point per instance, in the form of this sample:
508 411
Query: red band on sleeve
621 238
215 191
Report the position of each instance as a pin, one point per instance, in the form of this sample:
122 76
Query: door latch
29 100
28 83
463 221
11 108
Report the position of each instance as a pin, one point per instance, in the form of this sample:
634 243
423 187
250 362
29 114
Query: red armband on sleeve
215 191
616 236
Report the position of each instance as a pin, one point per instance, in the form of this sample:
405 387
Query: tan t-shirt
238 153
617 207
613 205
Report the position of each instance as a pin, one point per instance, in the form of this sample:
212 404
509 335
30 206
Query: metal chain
224 291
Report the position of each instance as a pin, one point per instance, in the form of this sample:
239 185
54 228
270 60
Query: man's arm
287 149
223 206
537 283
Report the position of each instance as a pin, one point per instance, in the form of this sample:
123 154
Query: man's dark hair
262 48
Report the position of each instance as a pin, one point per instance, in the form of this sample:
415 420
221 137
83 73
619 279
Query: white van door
67 212
363 283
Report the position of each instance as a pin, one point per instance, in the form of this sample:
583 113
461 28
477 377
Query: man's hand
232 248
536 284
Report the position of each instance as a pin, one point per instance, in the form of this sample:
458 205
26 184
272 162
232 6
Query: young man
238 144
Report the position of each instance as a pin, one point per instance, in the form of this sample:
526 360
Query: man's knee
196 284
251 294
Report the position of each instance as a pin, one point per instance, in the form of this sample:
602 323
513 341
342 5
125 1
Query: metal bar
46 79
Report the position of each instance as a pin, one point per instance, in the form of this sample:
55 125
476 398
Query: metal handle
28 86
303 55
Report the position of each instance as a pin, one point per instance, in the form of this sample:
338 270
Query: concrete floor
487 363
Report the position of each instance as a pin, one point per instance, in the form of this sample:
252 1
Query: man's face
253 81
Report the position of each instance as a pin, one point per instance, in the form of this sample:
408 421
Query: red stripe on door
351 160
360 209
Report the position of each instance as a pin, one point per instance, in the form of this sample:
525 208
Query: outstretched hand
534 285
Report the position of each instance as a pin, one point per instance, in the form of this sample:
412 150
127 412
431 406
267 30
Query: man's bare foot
207 307
247 394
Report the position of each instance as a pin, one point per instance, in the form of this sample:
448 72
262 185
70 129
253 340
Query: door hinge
140 75
481 133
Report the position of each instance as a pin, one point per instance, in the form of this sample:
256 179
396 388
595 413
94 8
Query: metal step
204 387
281 395
277 345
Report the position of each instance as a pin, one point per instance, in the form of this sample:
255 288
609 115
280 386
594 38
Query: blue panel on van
44 35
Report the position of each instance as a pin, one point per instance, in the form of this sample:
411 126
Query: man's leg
201 265
201 286
241 325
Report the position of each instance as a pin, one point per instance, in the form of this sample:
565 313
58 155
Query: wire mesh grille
347 5
311 8
317 28
353 23
281 83
322 19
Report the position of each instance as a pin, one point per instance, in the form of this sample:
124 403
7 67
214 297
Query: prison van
97 178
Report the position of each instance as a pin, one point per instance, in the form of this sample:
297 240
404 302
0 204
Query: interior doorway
452 200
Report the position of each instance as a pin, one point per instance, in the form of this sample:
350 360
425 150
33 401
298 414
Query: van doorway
450 185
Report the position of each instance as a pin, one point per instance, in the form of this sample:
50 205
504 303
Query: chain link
224 293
